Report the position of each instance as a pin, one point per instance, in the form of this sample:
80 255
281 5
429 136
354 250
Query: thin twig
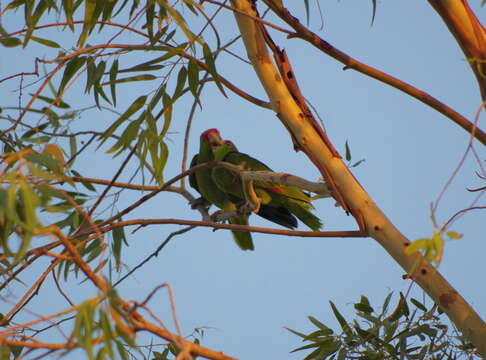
117 175
263 230
154 253
29 294
258 19
60 289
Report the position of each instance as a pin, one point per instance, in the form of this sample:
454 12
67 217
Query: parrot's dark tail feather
280 216
304 215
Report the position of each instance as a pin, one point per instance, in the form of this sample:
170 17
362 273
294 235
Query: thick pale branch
469 34
375 221
287 180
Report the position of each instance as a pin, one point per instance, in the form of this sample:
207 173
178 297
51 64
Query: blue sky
247 298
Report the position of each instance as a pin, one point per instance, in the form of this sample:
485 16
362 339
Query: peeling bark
361 205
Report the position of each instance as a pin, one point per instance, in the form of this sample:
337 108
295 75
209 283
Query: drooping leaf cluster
408 331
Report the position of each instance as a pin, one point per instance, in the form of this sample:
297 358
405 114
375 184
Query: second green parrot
272 195
203 182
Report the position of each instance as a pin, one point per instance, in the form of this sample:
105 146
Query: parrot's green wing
222 177
290 198
210 192
192 176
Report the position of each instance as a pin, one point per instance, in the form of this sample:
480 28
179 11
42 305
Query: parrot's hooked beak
215 140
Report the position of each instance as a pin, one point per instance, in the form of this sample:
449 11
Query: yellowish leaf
454 235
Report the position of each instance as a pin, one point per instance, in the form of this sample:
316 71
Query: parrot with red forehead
278 215
202 181
274 196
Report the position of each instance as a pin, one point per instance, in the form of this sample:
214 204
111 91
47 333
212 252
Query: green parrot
203 183
280 216
272 195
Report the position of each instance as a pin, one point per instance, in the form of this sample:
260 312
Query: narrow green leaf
128 135
170 52
167 102
348 151
422 329
156 98
296 332
89 10
15 4
305 347
193 78
34 131
181 80
86 184
57 103
369 317
10 42
68 7
48 43
390 329
108 11
328 349
182 24
107 334
149 17
70 70
126 337
386 303
164 154
118 238
132 109
317 323
358 163
99 90
418 304
318 335
99 72
400 310
307 11
373 14
121 350
344 325
145 77
364 305
32 20
73 148
113 73
208 57
90 73
39 140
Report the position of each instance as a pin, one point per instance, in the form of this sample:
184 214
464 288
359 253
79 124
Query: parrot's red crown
207 132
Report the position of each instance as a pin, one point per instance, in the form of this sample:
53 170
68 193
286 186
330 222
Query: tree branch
469 34
375 221
305 34
263 230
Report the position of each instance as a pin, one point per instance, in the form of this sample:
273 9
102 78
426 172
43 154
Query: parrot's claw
198 202
248 207
215 216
